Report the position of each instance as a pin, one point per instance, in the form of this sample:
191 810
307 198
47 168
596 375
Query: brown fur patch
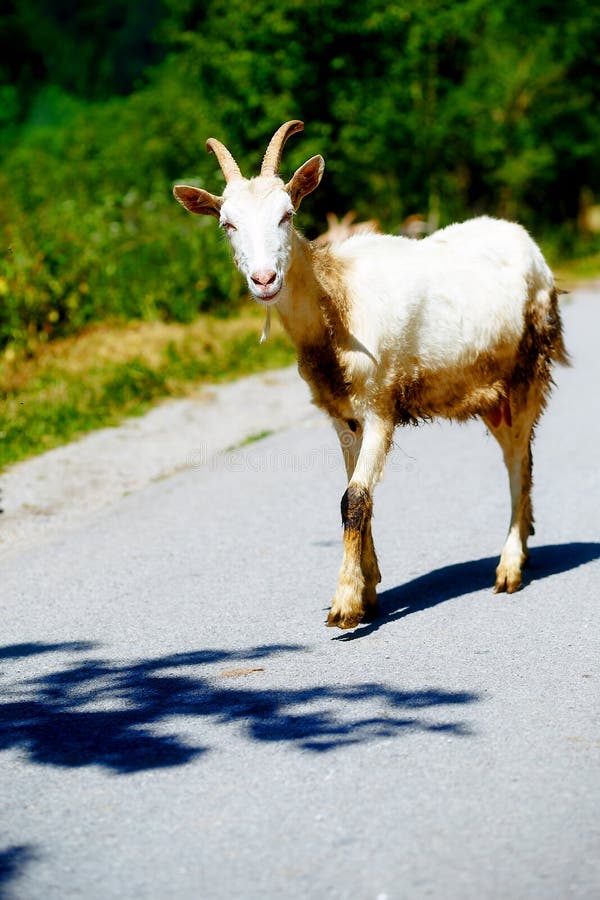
330 274
456 393
541 345
319 361
320 366
316 320
542 342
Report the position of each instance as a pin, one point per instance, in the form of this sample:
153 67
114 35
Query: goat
416 226
340 229
391 331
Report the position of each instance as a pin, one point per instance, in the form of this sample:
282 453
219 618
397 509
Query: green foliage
418 107
90 228
443 109
90 49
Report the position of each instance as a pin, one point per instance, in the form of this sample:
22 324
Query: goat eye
286 218
228 227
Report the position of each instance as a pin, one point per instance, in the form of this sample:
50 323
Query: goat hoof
337 619
507 582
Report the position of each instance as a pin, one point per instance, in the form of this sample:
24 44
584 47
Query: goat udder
502 411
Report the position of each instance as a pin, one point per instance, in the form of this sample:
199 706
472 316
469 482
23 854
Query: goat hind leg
515 438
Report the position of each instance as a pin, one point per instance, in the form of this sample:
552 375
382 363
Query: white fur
442 300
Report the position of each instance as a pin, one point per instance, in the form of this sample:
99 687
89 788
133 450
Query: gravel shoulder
59 489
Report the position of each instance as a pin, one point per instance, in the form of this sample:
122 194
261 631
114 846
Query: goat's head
257 213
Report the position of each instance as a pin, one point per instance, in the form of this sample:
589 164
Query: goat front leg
350 435
355 596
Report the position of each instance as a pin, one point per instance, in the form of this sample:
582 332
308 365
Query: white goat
391 331
340 229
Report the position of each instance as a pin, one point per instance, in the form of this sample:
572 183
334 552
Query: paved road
176 721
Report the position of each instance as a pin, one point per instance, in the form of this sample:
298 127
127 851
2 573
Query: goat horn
229 167
272 157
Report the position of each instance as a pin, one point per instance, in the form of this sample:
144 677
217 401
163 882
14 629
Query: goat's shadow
460 579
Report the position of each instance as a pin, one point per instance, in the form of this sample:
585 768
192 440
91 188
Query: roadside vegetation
111 296
74 385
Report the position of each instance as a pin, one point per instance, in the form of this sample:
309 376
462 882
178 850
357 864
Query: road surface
177 722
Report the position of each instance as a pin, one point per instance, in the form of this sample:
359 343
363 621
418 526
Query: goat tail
558 352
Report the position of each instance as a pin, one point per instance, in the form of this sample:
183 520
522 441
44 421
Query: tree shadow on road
119 715
12 864
36 648
465 578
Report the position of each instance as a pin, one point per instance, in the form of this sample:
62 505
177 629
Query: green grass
101 377
574 258
571 273
251 439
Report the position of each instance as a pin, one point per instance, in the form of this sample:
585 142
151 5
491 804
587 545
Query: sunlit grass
571 273
73 386
251 439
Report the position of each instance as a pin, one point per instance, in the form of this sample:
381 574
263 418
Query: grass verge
571 274
72 386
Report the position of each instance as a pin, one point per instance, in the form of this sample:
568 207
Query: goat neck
311 304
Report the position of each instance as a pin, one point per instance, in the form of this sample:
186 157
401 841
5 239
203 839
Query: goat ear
198 201
305 179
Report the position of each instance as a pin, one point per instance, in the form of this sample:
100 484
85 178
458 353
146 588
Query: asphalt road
177 722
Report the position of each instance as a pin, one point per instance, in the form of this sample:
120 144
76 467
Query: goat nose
264 279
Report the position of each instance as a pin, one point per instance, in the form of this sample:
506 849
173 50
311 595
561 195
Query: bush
90 228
